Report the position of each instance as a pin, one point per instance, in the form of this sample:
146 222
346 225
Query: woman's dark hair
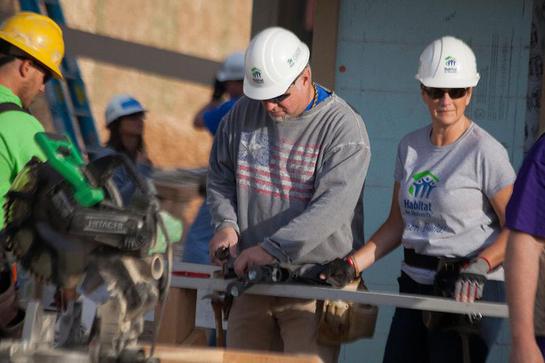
115 142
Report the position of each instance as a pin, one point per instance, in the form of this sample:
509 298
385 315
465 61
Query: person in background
285 180
125 117
228 82
525 259
31 51
452 184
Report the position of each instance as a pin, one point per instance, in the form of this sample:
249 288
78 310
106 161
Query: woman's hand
470 284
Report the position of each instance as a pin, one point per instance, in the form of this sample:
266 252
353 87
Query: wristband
352 262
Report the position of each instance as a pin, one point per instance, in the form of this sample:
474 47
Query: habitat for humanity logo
423 183
256 75
421 188
450 65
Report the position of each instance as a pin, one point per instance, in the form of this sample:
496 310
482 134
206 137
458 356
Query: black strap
10 106
417 260
412 258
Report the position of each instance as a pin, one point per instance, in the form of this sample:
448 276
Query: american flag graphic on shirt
282 169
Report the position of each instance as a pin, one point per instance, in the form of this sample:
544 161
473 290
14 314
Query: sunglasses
438 93
46 72
43 69
282 97
278 99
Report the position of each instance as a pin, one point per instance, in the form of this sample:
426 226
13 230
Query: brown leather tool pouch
345 321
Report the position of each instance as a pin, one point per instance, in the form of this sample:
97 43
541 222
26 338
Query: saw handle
66 160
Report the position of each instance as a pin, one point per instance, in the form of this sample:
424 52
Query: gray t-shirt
444 193
295 187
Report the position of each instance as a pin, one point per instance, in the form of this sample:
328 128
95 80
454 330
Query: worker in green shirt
31 50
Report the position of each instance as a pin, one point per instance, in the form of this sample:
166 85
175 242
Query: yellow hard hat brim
55 71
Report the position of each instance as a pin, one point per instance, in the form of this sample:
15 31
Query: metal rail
181 279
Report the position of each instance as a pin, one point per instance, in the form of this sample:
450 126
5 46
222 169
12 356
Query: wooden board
179 320
171 354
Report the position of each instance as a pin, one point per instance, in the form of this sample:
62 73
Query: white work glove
470 284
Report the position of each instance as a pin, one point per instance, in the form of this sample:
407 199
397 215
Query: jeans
410 341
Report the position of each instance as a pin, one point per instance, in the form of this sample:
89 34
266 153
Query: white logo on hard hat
450 65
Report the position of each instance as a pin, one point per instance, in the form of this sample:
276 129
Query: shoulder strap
10 106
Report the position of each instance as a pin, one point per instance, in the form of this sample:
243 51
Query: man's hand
224 238
253 256
338 273
470 284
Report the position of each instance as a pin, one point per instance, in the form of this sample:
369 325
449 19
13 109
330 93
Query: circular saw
60 212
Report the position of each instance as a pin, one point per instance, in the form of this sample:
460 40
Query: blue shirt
323 93
213 116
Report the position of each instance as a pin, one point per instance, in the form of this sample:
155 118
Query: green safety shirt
17 145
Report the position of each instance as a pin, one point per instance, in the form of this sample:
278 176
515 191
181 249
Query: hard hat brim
449 83
127 112
264 93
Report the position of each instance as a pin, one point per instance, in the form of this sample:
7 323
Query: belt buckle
447 265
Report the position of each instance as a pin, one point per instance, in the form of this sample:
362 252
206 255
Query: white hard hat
448 62
122 105
232 68
274 59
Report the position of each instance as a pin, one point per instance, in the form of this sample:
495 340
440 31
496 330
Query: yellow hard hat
38 36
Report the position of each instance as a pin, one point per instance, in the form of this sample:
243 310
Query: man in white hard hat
286 177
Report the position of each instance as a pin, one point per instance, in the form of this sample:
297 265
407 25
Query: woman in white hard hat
452 183
125 120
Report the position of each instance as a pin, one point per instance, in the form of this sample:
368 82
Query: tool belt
447 273
346 321
414 259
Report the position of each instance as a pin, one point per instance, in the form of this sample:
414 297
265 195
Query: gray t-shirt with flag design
444 192
294 187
